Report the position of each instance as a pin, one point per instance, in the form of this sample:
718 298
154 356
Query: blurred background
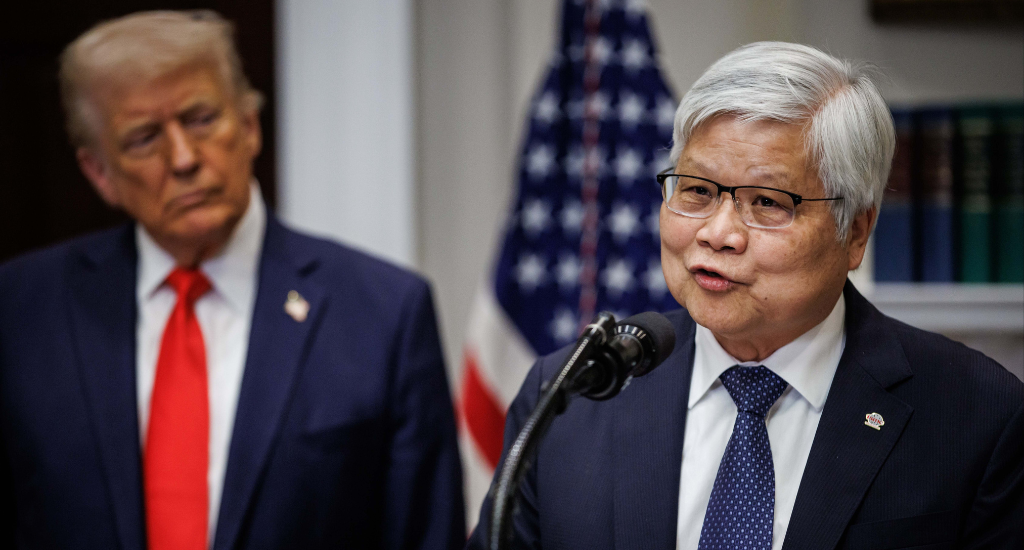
396 126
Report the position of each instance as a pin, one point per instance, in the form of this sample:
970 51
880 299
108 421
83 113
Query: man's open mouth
708 273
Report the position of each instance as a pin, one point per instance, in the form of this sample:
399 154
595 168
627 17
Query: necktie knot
189 284
753 389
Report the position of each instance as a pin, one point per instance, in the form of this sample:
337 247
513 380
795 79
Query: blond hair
141 47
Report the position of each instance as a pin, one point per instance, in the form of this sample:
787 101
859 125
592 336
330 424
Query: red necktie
176 457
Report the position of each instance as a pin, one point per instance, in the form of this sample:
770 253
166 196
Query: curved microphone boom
607 356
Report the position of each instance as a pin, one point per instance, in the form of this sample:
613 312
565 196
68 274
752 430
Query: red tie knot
190 284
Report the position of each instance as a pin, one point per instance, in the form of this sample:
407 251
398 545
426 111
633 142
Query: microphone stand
553 400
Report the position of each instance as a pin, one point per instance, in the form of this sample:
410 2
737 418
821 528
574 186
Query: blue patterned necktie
741 511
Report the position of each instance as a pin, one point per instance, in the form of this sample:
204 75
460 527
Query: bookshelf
954 211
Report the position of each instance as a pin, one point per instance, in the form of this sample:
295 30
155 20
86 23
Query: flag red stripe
482 412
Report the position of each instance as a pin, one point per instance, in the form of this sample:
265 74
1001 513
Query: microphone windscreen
661 332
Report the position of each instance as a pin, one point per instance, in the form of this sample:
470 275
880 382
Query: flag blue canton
544 258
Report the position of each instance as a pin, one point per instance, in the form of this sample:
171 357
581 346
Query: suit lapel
103 313
847 454
277 348
648 449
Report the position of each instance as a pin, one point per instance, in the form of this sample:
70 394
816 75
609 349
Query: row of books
954 207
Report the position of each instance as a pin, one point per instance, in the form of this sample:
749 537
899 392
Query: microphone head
656 334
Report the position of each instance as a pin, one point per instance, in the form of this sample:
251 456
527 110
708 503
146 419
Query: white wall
345 109
465 139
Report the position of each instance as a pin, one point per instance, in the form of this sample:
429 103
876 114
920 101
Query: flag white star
577 160
623 221
596 161
546 110
530 272
654 279
564 326
617 278
601 51
539 162
535 217
597 105
628 164
634 55
571 217
665 114
631 110
568 271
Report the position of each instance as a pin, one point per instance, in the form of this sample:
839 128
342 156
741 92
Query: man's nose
183 155
724 230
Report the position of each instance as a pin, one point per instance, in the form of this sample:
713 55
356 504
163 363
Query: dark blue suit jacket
344 434
945 471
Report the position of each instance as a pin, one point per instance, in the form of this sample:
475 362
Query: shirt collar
232 272
808 363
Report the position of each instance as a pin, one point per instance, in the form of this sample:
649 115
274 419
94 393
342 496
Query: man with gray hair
205 377
792 413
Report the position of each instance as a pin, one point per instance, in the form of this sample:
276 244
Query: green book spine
973 176
1009 180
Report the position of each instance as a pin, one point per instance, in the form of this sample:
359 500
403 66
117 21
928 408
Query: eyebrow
775 177
145 123
696 164
137 128
199 102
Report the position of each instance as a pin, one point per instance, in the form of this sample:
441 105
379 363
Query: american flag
583 233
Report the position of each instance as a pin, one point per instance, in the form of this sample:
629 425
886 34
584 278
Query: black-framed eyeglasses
761 207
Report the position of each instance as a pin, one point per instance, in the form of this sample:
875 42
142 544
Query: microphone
639 344
607 356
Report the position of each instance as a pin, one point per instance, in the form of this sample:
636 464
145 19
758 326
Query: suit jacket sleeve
996 518
424 504
526 519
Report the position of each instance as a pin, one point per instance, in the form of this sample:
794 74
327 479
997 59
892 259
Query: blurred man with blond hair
204 376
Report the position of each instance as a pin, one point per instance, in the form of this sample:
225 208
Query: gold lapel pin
296 306
874 420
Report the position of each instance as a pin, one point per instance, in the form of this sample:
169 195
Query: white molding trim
954 307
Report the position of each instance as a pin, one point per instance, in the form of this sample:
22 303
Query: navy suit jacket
945 471
344 434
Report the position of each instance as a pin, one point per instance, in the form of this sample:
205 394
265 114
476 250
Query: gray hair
141 47
849 131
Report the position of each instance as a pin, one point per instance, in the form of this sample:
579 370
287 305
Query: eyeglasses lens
758 207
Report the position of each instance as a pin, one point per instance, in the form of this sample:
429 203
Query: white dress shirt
225 317
808 364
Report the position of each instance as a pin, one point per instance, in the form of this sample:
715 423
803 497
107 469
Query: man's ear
253 133
96 171
857 241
